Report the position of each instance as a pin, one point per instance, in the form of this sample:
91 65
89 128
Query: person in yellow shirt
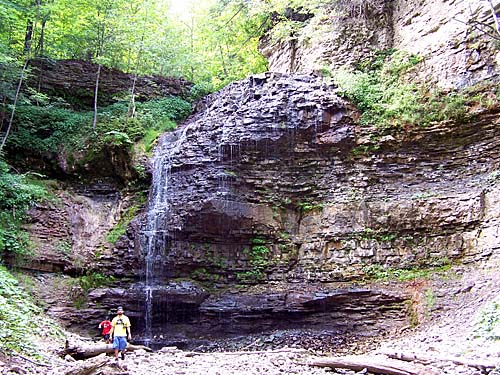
120 332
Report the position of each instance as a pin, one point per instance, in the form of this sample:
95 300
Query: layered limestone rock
446 34
272 182
271 204
74 81
69 231
276 164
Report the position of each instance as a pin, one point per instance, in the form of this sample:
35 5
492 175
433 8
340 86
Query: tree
27 47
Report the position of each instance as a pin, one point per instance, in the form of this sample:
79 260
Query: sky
183 8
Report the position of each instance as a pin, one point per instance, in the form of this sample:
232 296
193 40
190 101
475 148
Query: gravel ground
447 315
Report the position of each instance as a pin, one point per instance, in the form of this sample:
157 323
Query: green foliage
305 207
211 42
205 275
284 25
377 87
49 128
64 247
365 150
160 113
94 280
258 259
377 235
379 272
487 323
223 43
201 89
17 194
20 318
127 216
52 128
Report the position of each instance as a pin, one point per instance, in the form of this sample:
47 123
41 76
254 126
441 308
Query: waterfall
155 233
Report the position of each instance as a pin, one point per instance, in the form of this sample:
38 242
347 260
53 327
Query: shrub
94 280
258 259
49 128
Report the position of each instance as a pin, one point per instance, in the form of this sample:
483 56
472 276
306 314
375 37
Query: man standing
120 331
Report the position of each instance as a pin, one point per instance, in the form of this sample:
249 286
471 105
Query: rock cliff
451 36
266 185
74 81
271 205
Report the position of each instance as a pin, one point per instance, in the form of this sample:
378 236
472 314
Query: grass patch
128 215
381 273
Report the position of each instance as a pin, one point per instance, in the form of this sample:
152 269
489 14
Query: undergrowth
21 321
53 127
121 227
17 193
379 272
392 103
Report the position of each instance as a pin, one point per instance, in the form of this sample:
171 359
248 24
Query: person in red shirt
105 325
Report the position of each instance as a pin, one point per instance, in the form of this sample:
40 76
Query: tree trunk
480 364
82 350
28 35
40 46
95 95
18 90
495 17
131 105
88 367
373 365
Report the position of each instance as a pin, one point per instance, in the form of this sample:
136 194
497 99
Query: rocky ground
448 310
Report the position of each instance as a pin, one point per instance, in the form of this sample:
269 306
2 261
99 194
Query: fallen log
480 364
371 364
89 366
80 350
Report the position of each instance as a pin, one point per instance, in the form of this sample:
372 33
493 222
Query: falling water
155 234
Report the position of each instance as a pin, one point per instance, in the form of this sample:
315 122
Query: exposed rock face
74 80
69 232
444 33
184 313
273 182
274 161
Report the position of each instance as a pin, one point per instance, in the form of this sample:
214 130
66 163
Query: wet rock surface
273 158
263 186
